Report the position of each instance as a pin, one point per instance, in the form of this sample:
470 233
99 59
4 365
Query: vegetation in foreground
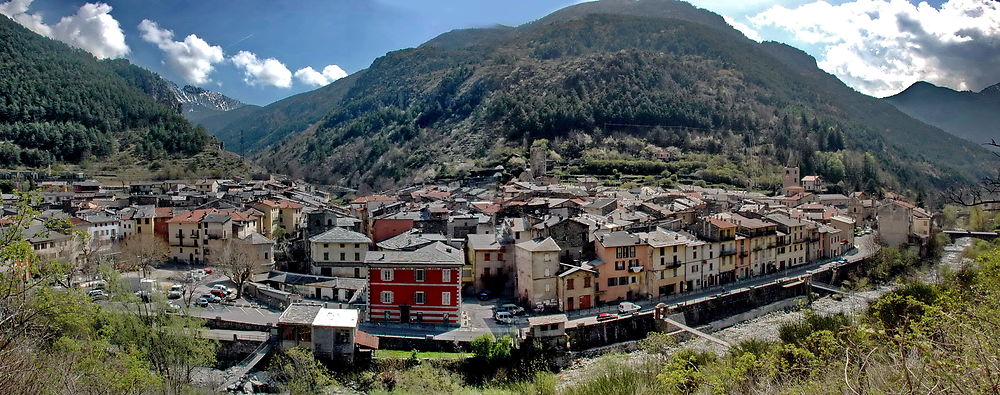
919 338
54 339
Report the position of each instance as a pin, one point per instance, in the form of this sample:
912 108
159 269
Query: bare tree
239 262
143 251
987 191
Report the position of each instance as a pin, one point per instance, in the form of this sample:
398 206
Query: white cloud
262 72
312 77
193 59
92 28
18 11
882 46
743 28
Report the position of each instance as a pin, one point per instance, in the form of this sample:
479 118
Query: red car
606 316
219 293
208 271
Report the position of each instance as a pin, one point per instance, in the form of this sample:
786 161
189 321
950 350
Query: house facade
416 286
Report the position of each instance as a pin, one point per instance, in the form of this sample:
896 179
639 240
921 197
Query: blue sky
259 51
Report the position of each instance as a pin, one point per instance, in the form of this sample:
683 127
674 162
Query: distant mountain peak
992 90
192 95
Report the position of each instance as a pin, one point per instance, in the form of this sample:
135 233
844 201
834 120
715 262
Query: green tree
300 373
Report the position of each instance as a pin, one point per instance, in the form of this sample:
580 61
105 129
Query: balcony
727 253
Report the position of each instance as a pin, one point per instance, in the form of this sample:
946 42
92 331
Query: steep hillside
974 116
59 104
610 84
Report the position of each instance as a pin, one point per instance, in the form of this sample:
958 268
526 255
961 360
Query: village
282 262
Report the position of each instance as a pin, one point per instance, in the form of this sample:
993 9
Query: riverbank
766 326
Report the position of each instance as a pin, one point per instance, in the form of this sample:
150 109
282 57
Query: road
477 315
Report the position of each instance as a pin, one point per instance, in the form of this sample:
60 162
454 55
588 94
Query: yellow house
270 213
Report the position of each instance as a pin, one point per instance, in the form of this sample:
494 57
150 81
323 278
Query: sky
260 51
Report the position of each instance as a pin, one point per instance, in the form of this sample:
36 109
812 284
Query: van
504 317
628 308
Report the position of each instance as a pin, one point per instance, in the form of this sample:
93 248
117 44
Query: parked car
504 317
483 295
173 307
208 271
220 287
177 287
98 294
628 308
606 316
213 299
218 293
511 308
202 301
174 295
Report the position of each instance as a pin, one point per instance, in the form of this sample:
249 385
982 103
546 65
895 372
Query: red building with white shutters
416 286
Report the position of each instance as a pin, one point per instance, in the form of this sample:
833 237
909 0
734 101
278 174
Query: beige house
339 252
577 287
486 263
201 236
666 272
537 263
791 240
269 216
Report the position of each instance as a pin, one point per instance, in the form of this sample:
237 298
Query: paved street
477 315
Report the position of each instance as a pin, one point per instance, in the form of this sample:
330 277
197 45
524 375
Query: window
499 256
386 274
632 279
419 297
446 275
357 245
357 257
487 256
569 284
612 282
418 275
386 298
326 245
623 280
326 256
486 271
342 257
446 299
619 265
342 245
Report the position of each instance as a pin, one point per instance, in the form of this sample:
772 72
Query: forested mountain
974 116
60 104
610 84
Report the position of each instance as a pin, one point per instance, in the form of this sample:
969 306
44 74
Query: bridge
827 287
242 368
698 333
959 233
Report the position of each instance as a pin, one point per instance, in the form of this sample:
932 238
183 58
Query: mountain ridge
474 98
973 116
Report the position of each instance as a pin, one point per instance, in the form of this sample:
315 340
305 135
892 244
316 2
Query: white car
504 317
628 308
